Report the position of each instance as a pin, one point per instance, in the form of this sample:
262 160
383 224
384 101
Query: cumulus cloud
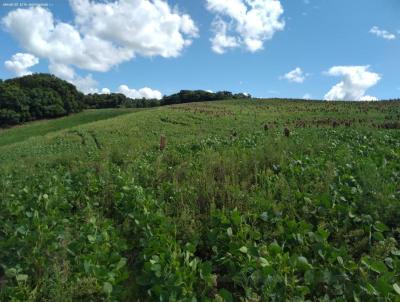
84 84
103 34
20 63
246 23
381 33
148 28
105 91
307 96
61 70
221 41
61 43
145 92
88 85
356 81
296 76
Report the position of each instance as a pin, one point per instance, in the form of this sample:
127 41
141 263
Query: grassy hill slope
40 128
231 210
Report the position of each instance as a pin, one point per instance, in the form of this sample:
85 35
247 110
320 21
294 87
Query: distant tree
117 100
9 117
71 97
45 103
242 96
14 105
188 96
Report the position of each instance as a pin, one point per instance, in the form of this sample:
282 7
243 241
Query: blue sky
317 35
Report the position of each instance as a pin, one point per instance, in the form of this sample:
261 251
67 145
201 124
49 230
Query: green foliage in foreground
231 210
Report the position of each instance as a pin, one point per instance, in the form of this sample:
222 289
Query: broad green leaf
264 216
374 265
264 262
236 219
370 289
396 288
226 295
11 272
378 266
107 288
91 238
21 277
396 252
275 248
303 263
243 249
380 227
121 263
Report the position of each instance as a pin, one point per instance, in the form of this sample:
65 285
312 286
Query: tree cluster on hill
36 97
189 96
117 100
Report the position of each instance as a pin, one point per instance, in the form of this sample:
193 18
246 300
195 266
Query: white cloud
145 92
307 96
105 91
356 81
368 98
20 63
382 33
247 23
296 76
84 84
103 34
62 43
88 85
221 41
63 71
148 28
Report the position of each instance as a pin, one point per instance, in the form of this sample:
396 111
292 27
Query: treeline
189 96
42 96
117 100
36 97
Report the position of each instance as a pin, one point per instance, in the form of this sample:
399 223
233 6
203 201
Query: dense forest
117 100
36 97
44 96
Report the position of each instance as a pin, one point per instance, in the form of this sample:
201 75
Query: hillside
43 127
44 96
251 200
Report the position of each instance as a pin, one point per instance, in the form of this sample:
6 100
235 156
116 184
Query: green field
231 210
40 128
